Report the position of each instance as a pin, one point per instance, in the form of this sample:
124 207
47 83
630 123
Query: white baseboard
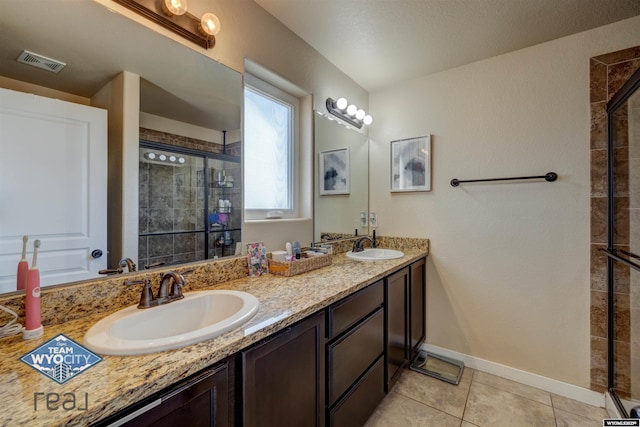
570 391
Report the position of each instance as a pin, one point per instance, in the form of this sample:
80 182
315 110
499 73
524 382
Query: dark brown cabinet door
397 298
202 400
283 377
417 314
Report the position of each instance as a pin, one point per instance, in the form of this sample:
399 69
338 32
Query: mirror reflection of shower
189 205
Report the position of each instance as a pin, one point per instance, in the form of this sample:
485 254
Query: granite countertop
120 381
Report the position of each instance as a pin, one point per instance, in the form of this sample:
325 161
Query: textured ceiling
381 42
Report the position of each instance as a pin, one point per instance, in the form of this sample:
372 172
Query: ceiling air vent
40 61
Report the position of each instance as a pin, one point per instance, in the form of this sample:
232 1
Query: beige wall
508 275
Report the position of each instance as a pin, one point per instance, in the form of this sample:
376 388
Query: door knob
96 253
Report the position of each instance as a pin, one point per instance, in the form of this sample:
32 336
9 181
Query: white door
53 187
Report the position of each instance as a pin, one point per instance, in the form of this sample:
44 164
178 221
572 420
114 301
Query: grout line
432 407
466 401
519 395
555 417
425 404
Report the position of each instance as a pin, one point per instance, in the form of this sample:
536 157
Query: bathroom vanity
328 369
323 349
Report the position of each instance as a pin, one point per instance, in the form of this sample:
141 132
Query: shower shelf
223 184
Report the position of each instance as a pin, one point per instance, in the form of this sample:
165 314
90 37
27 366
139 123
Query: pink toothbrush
23 266
33 327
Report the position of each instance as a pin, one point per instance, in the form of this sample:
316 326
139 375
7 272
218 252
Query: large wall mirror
341 192
183 93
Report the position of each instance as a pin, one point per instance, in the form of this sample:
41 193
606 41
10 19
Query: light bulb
209 25
181 160
162 157
351 110
172 158
174 7
150 156
360 114
367 120
341 103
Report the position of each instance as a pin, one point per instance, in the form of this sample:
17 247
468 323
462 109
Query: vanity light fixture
351 114
173 15
150 155
209 25
174 7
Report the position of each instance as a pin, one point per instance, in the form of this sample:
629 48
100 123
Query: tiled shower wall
607 75
169 203
175 203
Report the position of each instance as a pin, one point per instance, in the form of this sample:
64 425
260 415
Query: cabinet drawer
352 309
350 356
356 407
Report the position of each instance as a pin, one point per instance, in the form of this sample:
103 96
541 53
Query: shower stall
623 246
189 205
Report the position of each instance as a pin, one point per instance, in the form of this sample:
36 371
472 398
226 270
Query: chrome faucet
358 243
127 262
171 284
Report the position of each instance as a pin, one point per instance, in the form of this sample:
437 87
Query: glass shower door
171 207
623 248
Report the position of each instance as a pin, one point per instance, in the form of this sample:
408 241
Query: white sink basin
375 254
201 315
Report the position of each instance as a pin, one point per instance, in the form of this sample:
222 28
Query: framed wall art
411 164
334 172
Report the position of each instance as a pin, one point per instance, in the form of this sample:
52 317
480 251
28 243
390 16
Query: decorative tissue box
299 266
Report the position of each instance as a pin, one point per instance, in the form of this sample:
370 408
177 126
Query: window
270 147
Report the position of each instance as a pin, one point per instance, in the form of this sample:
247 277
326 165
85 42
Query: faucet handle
146 297
110 271
155 264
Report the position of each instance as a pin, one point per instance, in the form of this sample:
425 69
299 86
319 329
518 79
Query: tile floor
480 399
